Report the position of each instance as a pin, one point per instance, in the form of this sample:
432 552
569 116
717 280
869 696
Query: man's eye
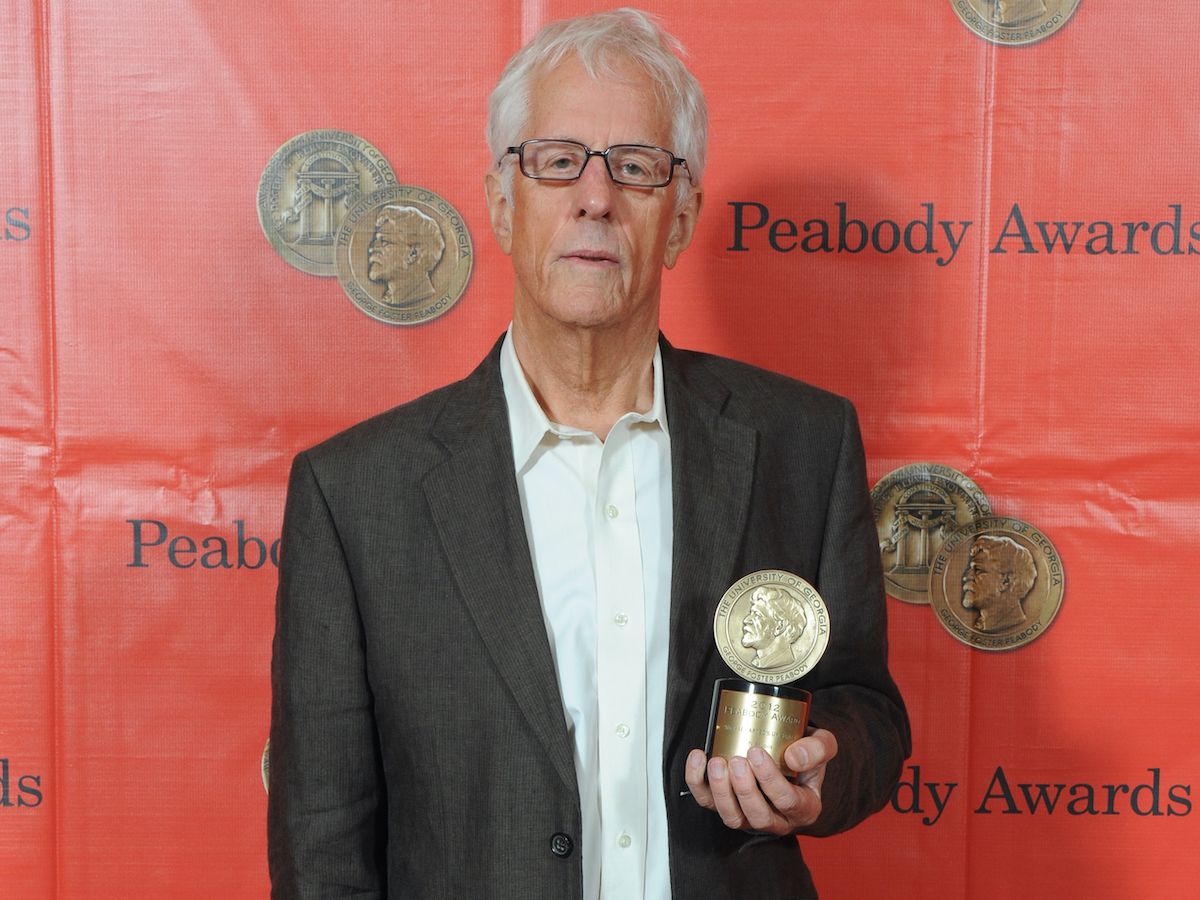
632 170
561 162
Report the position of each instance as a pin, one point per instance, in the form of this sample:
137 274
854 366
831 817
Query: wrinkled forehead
570 79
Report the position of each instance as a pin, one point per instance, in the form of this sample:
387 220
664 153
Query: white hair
603 43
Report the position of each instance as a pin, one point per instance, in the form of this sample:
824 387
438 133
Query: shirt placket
621 672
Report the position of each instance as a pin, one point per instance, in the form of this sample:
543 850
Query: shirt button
621 619
561 845
610 511
622 731
624 841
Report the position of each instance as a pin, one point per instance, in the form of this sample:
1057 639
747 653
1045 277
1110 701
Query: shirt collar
527 421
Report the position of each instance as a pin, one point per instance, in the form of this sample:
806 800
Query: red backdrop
159 363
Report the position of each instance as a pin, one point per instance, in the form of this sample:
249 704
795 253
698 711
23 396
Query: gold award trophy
771 627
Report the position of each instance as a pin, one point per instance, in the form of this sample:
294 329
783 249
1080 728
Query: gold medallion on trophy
916 507
306 189
771 627
997 583
1014 21
404 255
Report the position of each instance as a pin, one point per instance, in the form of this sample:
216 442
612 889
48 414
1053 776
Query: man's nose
594 190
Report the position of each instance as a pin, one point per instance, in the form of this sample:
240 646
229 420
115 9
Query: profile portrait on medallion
997 583
772 627
1000 574
916 507
406 248
404 255
306 189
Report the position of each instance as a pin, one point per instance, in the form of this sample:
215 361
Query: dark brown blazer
418 741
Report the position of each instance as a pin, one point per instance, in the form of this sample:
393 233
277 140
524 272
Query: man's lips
591 256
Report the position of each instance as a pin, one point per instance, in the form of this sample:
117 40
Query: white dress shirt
598 517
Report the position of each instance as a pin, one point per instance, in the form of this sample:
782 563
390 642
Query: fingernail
717 767
737 765
757 756
799 759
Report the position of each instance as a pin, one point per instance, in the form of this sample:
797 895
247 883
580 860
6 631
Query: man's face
756 627
590 252
390 252
982 582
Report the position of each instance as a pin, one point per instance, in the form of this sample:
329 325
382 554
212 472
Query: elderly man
493 655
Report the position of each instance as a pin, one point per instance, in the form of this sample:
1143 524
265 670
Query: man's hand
752 794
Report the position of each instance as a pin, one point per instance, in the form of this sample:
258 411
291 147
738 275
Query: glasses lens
556 160
647 166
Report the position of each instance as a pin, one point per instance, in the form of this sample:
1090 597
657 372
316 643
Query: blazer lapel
712 473
477 511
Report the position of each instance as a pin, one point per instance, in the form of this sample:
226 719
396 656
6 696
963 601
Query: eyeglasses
630 164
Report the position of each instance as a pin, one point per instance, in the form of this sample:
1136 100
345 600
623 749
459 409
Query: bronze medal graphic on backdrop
771 627
997 583
1014 21
916 507
307 187
404 255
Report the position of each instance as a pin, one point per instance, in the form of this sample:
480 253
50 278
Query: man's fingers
794 805
752 793
760 774
723 794
694 774
812 751
777 791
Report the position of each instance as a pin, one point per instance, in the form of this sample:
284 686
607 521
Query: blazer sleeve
326 830
856 698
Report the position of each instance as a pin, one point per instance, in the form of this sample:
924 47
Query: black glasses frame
519 150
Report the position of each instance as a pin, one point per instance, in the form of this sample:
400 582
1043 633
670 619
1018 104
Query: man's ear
499 210
684 226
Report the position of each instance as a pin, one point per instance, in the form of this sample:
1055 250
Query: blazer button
561 845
